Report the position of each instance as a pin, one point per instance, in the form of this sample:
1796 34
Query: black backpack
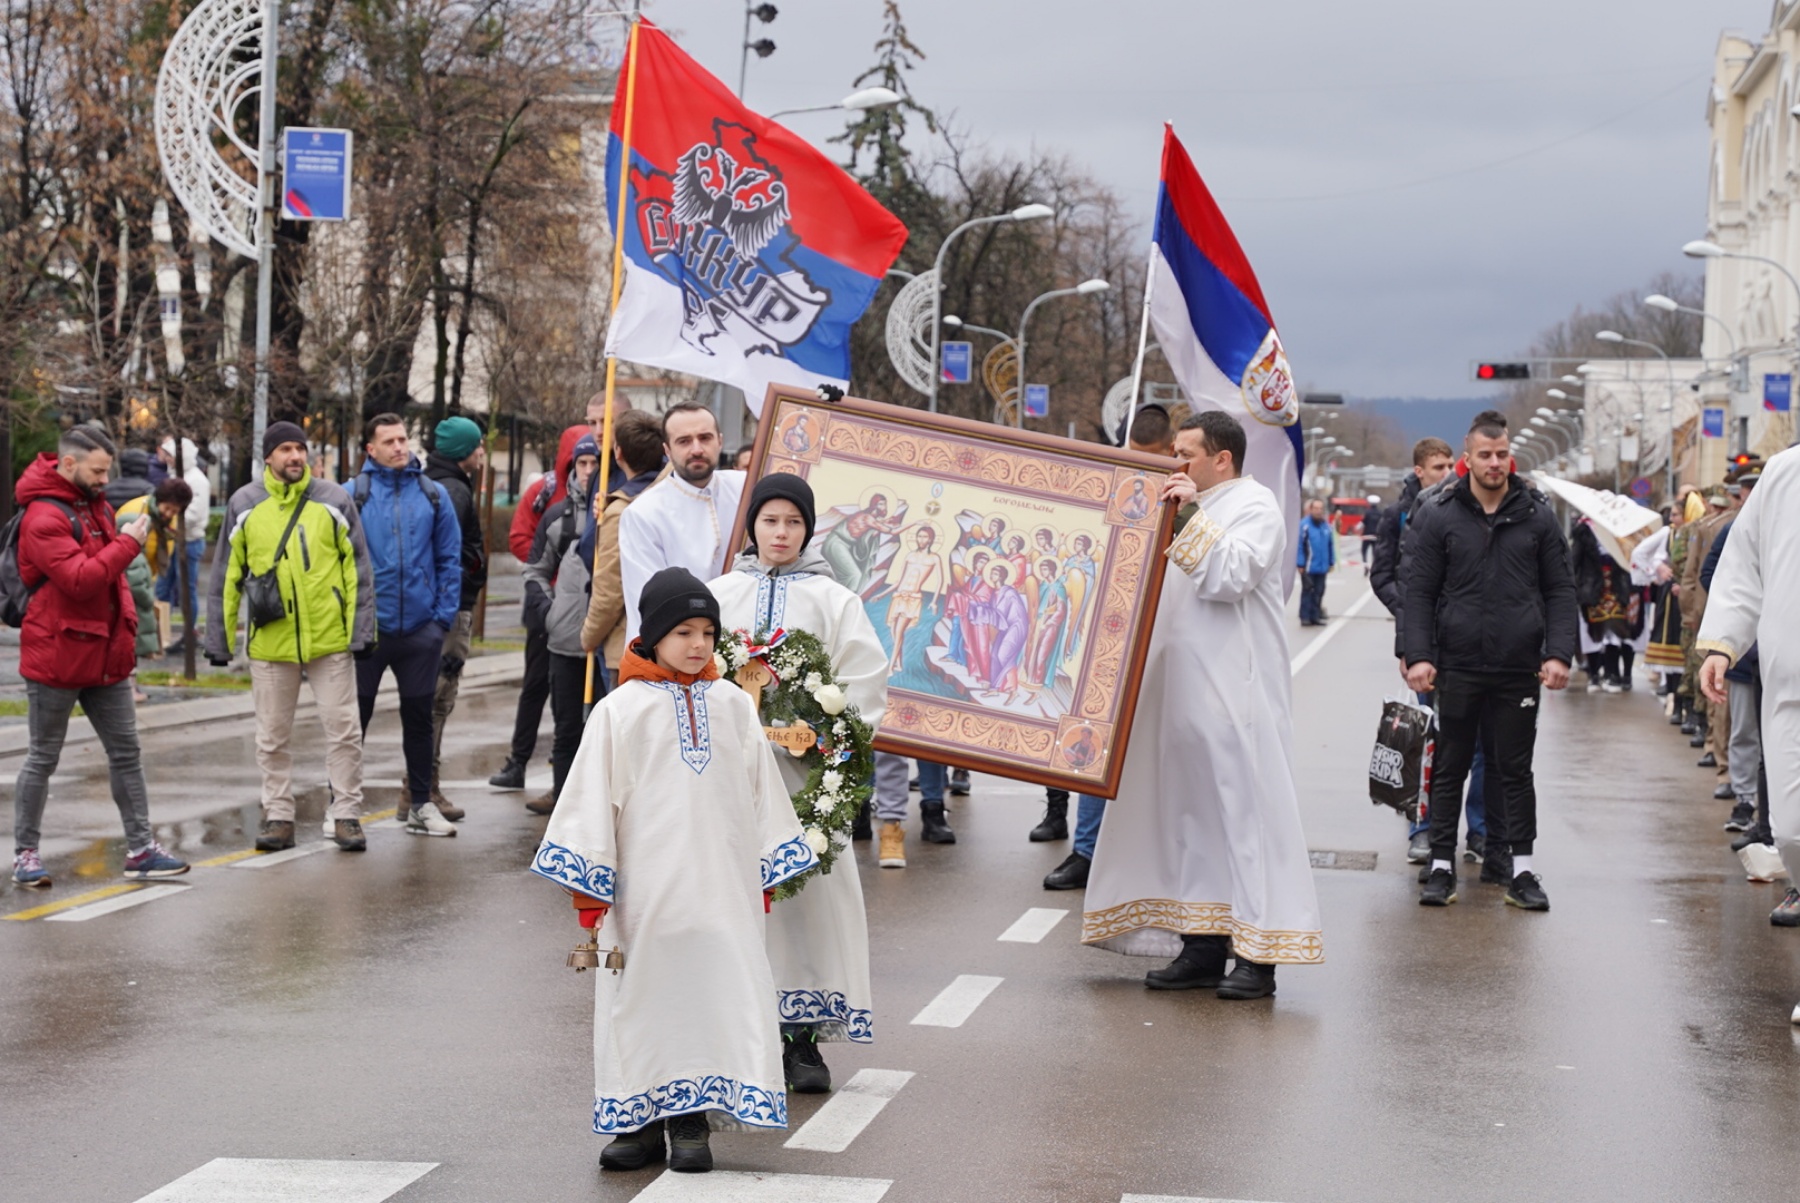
15 594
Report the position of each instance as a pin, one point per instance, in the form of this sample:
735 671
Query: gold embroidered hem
1704 647
1199 536
1204 919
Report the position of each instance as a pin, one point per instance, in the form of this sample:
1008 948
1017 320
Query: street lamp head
870 98
1657 300
1585 368
1315 430
1544 411
1557 393
1610 336
1089 287
1032 212
1575 380
1700 248
1537 421
952 321
763 47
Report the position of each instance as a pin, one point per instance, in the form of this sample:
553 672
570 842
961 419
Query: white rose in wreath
831 780
831 699
720 664
817 841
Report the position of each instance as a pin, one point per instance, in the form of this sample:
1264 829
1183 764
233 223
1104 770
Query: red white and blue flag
748 253
1215 330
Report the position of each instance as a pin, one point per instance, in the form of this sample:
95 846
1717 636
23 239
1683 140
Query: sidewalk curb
16 740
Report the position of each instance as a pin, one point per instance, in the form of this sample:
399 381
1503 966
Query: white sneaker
429 820
1795 1018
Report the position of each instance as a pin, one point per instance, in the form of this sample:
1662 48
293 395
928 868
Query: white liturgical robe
819 938
1755 597
674 525
675 813
1205 836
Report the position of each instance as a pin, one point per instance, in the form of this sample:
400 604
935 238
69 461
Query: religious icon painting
1012 577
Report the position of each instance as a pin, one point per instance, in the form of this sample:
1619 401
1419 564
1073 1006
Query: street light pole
1740 369
1613 336
1023 213
1085 288
856 102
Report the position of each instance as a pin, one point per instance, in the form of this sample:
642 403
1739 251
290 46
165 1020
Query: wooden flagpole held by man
598 500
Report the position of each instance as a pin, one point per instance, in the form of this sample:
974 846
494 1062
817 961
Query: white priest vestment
674 812
1205 836
674 525
819 938
1755 598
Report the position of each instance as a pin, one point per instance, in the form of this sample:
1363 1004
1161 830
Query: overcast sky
1417 185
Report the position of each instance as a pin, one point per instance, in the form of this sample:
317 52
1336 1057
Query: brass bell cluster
586 956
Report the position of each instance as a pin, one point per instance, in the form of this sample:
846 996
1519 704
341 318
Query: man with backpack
295 541
415 551
62 571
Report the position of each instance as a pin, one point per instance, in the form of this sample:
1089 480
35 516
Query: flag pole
1137 367
604 469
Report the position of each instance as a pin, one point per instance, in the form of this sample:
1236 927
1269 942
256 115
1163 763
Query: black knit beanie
786 487
278 433
670 598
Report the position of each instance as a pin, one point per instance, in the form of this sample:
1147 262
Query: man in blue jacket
1317 556
415 549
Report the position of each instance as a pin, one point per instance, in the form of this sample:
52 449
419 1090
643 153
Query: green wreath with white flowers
840 764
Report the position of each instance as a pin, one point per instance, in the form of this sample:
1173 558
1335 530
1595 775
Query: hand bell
615 960
585 956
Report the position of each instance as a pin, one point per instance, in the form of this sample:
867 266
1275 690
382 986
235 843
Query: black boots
1248 980
859 827
690 1147
1055 824
512 776
1201 965
801 1063
1072 874
635 1150
932 826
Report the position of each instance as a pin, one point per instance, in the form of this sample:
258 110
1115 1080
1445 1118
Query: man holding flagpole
1204 857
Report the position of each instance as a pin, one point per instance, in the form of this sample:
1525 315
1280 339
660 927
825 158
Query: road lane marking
1033 925
733 1186
957 1001
848 1111
148 892
269 859
1312 649
229 858
250 1180
63 904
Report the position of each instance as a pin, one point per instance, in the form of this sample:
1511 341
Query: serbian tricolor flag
1215 330
748 254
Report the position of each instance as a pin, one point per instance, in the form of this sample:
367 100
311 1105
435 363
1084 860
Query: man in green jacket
308 534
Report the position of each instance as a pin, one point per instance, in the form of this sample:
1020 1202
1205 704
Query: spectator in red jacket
77 644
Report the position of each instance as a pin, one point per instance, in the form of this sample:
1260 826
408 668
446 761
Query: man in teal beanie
457 461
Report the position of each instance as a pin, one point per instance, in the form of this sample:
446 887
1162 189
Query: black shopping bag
1400 765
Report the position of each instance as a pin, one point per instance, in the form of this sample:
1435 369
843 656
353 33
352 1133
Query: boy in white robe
818 940
1203 855
674 820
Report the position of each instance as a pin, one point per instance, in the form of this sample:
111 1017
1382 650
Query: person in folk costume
818 940
1651 567
1613 626
1203 855
674 822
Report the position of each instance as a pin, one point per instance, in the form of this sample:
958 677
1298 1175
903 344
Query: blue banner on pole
1037 400
1712 422
315 180
1778 391
958 362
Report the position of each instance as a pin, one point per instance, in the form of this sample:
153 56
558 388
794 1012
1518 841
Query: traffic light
1503 371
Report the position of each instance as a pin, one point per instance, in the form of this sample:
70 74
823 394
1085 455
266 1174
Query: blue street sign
315 181
1712 422
958 358
1037 400
1641 486
1778 391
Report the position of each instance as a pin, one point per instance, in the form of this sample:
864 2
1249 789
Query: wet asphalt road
411 1004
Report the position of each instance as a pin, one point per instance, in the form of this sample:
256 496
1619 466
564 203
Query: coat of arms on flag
748 253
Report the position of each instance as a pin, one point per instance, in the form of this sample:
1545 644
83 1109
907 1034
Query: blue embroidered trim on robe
791 859
566 867
696 737
750 1105
771 600
826 1006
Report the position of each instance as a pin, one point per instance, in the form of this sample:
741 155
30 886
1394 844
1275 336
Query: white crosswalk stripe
847 1112
729 1186
117 902
957 1001
1033 925
268 860
248 1180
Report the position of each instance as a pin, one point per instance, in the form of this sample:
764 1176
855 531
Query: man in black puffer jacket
1489 615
